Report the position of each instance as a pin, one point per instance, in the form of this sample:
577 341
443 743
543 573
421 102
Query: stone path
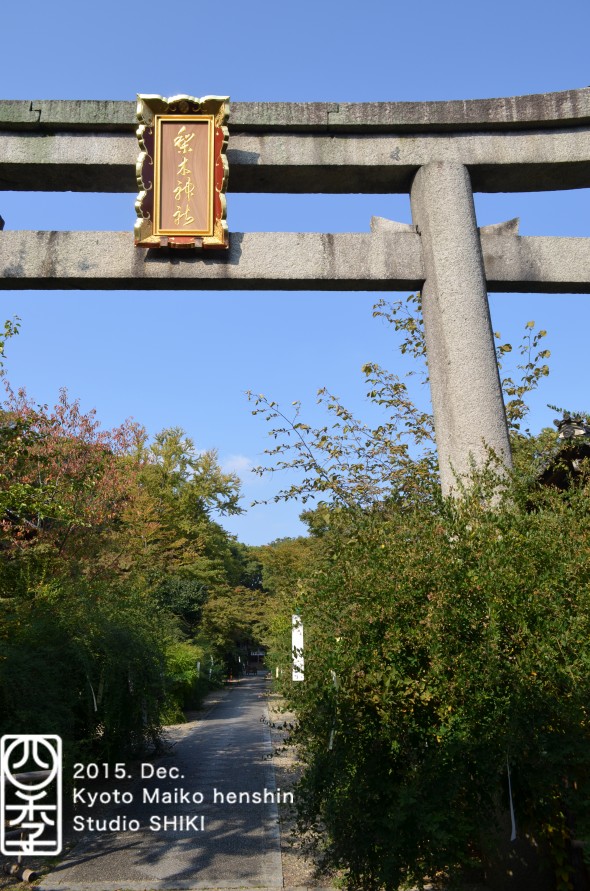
238 845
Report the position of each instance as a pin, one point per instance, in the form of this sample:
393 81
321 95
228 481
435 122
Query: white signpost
297 648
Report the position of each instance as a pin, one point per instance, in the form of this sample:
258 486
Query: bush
444 641
85 664
187 680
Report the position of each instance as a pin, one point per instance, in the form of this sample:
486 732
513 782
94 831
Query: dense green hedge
444 641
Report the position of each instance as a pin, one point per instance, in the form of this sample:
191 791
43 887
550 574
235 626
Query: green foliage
444 640
184 597
187 679
532 371
109 556
459 637
84 662
191 480
11 328
353 463
233 620
64 484
285 563
346 460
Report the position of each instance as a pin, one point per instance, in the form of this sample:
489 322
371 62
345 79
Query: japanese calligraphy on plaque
182 172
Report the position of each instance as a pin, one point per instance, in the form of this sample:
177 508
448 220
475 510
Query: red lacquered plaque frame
182 172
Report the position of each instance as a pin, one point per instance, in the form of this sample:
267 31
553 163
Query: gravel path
237 743
218 835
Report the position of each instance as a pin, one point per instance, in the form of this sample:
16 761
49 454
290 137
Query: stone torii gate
438 152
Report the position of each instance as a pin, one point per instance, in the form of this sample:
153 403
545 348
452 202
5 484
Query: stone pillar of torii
438 152
469 416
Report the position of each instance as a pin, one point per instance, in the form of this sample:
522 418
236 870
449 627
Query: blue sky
186 359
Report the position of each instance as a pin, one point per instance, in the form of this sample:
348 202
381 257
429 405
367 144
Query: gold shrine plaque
182 172
183 197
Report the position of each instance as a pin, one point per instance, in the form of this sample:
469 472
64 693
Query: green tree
64 485
177 544
445 641
109 552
